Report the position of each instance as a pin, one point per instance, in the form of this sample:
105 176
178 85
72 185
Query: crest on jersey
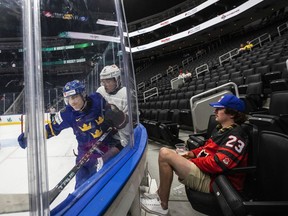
226 161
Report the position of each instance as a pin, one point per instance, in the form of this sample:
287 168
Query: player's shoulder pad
97 99
123 91
64 113
96 96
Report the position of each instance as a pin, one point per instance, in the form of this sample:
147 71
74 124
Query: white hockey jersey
120 100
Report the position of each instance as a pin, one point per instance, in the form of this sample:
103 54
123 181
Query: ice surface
13 162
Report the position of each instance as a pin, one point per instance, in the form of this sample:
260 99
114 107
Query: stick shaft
69 176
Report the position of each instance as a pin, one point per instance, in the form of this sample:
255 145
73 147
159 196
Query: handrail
205 68
187 61
213 90
171 69
228 56
141 85
153 94
156 77
259 40
208 92
280 29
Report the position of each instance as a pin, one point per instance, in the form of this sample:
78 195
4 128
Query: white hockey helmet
110 71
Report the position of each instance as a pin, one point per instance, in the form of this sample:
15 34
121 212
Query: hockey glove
22 140
115 117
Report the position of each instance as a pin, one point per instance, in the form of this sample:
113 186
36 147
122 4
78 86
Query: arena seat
206 203
165 104
200 88
185 119
215 78
238 80
235 74
273 75
278 85
158 121
249 79
222 82
225 77
256 65
158 105
244 67
180 95
271 61
210 85
254 98
247 72
262 70
270 195
191 88
238 65
277 117
280 66
169 131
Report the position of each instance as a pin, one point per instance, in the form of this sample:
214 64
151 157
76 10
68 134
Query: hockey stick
8 201
68 177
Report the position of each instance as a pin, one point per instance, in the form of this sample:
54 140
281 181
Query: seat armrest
154 122
247 169
263 111
196 138
194 142
198 134
230 201
172 128
169 124
262 120
267 207
261 115
283 116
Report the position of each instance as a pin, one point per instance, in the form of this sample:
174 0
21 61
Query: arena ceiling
10 28
139 9
232 26
135 10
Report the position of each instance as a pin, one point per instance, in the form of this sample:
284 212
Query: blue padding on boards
106 183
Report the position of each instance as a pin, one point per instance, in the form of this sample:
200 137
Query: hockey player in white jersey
113 92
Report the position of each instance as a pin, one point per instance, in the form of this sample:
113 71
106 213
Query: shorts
197 180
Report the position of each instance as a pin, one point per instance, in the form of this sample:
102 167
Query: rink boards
106 195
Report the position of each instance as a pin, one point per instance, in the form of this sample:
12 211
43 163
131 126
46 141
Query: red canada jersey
224 150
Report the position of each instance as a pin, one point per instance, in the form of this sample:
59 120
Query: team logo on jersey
97 134
226 161
85 127
203 153
99 120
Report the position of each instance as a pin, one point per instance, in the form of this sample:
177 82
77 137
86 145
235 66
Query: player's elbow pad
124 122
